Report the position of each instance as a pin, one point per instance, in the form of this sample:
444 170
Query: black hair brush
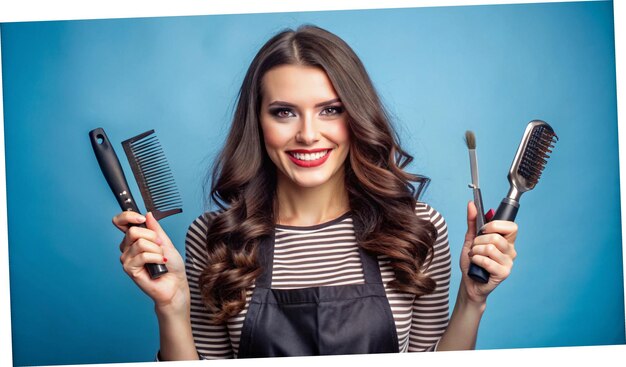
151 171
529 162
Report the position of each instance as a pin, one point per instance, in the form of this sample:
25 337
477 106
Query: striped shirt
325 255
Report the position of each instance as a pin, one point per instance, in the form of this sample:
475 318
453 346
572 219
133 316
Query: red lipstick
308 163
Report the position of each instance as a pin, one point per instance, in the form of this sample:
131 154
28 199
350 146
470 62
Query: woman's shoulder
204 220
197 232
441 246
427 212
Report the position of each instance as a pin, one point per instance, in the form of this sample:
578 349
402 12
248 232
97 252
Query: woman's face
304 125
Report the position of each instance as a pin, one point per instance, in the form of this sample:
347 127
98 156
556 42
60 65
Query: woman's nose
309 130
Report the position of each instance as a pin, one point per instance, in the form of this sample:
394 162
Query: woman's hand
170 292
494 251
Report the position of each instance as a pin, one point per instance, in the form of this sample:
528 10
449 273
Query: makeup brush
470 141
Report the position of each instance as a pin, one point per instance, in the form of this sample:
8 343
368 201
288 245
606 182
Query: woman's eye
332 110
282 112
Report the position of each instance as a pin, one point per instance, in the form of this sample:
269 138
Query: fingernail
141 219
165 259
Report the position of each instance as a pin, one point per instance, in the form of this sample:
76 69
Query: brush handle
506 211
114 175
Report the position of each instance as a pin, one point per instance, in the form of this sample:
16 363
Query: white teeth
310 156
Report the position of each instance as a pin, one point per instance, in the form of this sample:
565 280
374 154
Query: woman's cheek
276 140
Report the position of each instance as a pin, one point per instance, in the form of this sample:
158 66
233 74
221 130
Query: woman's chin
310 181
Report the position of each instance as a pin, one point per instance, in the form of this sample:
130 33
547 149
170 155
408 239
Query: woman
320 246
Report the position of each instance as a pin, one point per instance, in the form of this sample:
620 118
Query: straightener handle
114 175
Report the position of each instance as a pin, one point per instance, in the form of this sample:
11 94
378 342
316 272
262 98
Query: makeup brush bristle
470 139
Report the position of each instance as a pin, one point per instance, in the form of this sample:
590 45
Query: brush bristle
154 177
470 139
541 141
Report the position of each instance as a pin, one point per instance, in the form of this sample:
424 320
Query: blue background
440 71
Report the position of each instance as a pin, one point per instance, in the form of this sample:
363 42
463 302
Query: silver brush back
531 158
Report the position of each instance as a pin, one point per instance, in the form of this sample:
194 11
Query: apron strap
371 270
266 260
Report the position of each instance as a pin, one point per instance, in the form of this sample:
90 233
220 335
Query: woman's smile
309 158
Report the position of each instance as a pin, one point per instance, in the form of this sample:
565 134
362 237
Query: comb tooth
167 204
149 144
149 157
165 199
165 193
149 153
162 187
166 190
150 165
155 180
153 165
162 206
161 184
154 170
143 142
153 174
165 196
146 152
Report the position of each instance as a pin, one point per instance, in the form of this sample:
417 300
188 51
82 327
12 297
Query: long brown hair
382 195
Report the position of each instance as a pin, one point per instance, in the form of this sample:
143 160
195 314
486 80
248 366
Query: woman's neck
307 206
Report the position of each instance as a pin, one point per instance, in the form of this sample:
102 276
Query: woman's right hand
140 246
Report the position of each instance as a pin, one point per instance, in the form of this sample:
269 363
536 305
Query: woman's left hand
494 250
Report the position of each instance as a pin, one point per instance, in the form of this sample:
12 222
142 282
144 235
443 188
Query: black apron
328 320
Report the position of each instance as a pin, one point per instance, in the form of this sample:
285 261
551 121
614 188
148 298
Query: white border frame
38 10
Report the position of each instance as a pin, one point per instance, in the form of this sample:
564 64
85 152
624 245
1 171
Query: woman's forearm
176 338
463 326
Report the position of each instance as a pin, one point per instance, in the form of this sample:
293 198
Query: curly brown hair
382 196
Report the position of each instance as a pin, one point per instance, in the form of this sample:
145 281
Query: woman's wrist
462 329
176 337
178 306
469 303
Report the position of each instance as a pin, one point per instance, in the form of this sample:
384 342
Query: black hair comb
153 175
151 171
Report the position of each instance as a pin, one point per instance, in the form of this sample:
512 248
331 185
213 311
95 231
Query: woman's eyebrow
330 101
281 103
287 104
